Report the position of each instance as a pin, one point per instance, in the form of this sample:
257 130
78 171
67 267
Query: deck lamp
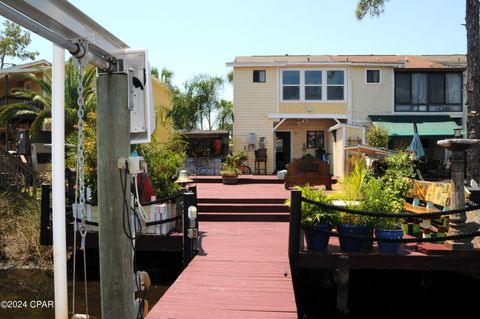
457 132
192 215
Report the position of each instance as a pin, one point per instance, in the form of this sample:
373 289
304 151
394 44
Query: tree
40 107
167 77
224 120
197 104
472 24
377 136
14 42
154 72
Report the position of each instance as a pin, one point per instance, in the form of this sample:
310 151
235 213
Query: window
259 76
313 85
291 85
373 76
335 85
315 139
428 92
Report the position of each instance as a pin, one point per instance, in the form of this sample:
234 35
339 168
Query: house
315 104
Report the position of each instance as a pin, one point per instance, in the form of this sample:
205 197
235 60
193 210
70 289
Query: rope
399 240
153 202
391 215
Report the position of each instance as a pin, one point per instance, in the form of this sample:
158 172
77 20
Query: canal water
28 294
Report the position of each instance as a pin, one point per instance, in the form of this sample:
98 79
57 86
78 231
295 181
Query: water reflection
31 285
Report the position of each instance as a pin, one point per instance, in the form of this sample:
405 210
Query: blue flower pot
317 238
352 244
386 247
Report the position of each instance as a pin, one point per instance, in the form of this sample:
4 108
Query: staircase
252 200
16 175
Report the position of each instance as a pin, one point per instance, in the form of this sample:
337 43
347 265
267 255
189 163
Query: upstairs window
335 85
291 85
259 76
313 85
428 92
373 76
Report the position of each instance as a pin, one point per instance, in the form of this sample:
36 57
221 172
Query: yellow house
316 104
162 101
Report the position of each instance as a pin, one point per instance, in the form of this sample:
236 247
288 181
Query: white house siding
368 99
252 102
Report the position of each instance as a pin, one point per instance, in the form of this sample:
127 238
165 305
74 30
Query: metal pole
73 48
188 200
58 183
113 142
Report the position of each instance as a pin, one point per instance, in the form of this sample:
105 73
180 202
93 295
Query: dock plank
238 273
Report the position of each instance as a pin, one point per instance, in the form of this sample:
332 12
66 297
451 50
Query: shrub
377 136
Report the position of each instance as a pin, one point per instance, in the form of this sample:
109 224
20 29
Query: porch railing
14 174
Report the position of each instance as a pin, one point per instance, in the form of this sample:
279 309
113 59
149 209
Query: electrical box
134 63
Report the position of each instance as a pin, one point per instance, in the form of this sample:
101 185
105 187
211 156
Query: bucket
388 247
317 237
352 244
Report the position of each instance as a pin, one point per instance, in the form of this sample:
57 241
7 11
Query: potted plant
316 221
386 194
230 168
354 225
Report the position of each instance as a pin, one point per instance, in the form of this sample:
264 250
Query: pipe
58 183
74 48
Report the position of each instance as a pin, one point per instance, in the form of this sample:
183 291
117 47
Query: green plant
231 165
164 158
387 193
313 214
377 136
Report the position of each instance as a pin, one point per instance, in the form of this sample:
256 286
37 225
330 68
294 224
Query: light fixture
457 132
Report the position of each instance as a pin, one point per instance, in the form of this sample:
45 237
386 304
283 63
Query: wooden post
188 200
294 246
342 276
45 213
113 142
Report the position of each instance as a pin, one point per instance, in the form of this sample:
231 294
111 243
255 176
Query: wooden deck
238 273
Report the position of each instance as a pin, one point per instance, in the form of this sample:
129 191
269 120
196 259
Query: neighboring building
162 101
309 104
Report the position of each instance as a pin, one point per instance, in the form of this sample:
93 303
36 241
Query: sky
191 37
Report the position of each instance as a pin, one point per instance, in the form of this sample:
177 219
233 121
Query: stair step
236 207
240 200
242 216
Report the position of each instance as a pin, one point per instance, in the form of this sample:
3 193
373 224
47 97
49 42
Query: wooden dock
241 271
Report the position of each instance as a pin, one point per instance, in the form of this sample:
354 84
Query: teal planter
352 244
317 237
386 247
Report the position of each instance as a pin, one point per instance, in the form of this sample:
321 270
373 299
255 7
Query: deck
238 273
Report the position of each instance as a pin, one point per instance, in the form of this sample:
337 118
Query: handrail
13 171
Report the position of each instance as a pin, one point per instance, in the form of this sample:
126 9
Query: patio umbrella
416 144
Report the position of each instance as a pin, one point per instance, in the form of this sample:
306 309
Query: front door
282 150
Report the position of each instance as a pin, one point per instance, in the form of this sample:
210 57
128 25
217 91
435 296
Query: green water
28 294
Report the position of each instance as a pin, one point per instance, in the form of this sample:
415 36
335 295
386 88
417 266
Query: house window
335 85
315 139
259 76
291 85
373 76
313 85
428 92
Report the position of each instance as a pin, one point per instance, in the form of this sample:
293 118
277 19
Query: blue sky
191 37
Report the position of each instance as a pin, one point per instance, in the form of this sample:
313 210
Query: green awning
427 125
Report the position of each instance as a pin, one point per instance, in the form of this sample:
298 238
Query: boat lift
69 28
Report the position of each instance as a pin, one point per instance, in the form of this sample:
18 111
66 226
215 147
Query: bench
308 170
428 197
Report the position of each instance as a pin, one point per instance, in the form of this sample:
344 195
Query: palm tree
224 120
40 108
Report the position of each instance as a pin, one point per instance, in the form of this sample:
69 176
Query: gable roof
26 67
452 61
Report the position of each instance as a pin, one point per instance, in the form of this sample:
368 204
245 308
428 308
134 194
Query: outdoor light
192 215
192 212
457 132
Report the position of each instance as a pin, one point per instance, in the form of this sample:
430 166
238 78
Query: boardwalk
239 273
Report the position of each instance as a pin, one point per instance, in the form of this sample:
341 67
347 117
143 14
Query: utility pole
113 142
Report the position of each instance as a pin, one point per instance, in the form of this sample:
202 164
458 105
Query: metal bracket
192 233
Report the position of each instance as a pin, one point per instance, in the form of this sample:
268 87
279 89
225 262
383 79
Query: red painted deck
239 273
242 191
